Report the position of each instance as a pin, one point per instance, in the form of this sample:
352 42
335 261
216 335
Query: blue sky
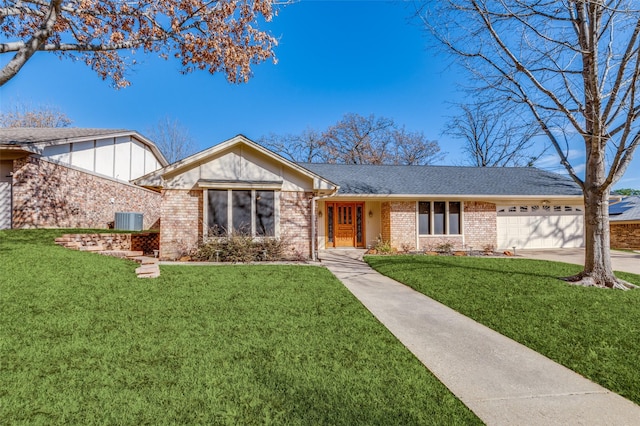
334 57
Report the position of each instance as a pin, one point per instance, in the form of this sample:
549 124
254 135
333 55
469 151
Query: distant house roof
626 210
445 180
28 138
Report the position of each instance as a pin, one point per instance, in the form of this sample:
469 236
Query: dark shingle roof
29 135
627 209
444 180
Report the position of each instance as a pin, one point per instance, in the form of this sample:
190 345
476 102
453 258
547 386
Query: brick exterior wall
398 225
295 223
402 221
182 221
436 242
480 225
385 221
625 235
48 195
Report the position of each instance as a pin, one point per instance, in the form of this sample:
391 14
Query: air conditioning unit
128 221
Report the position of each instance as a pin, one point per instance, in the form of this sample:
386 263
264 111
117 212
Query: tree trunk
597 262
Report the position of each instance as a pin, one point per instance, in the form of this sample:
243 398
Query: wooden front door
345 224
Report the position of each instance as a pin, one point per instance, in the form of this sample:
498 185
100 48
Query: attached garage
536 226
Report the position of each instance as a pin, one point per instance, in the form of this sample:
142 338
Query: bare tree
172 139
219 36
356 139
307 147
493 137
574 65
412 148
23 114
359 140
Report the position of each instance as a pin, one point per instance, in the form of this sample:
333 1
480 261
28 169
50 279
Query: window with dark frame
439 217
424 214
217 207
439 212
252 212
265 213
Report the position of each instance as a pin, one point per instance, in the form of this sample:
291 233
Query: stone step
147 269
132 254
91 248
151 275
146 260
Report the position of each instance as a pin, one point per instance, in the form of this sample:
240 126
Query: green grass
83 341
592 331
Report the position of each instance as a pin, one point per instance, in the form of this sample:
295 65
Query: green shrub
383 246
240 248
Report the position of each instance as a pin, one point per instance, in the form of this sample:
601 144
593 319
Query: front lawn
592 331
82 340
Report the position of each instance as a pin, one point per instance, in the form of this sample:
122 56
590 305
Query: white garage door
540 226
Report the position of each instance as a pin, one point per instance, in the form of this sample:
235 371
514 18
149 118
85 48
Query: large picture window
439 217
246 212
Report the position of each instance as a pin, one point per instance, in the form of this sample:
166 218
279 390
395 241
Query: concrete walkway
500 380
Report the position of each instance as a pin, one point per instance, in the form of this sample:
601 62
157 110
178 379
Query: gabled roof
390 180
154 179
628 209
26 137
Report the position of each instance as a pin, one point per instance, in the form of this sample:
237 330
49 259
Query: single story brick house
624 222
241 186
72 177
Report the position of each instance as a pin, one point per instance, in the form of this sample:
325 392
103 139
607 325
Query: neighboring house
241 186
70 177
624 223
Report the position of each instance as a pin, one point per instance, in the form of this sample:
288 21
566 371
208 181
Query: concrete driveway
621 260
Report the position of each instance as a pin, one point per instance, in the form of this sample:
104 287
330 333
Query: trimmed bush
240 248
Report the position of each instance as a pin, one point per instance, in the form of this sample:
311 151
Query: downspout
314 239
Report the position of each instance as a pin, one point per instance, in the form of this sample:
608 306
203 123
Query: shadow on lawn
462 267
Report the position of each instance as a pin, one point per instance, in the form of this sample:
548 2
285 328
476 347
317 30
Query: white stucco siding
58 153
122 169
137 160
185 180
105 155
83 155
151 163
239 164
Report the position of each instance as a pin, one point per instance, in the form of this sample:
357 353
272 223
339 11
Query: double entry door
344 225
